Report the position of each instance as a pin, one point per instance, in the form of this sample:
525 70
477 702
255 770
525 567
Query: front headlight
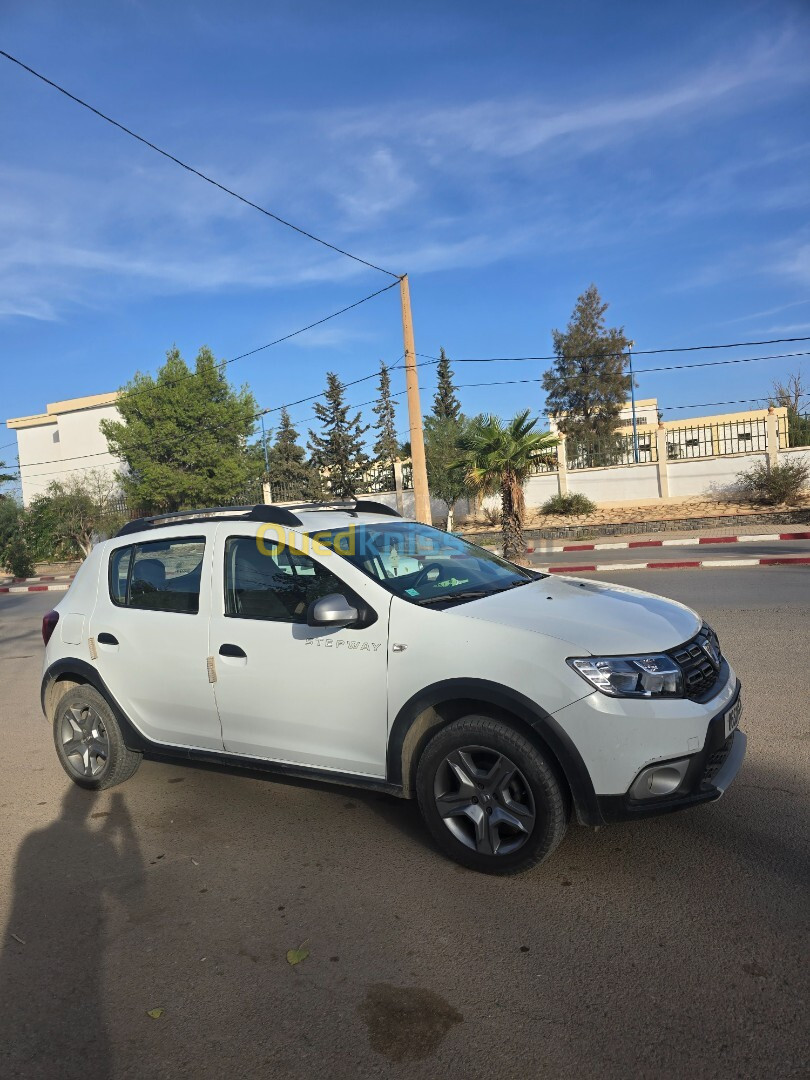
631 676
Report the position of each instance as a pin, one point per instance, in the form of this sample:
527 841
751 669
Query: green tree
386 446
15 551
182 440
446 405
447 476
499 458
586 387
73 513
338 450
291 476
5 478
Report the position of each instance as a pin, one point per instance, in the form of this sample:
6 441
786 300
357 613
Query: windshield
422 564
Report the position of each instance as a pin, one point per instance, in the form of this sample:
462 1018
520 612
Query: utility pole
267 495
264 447
420 483
630 345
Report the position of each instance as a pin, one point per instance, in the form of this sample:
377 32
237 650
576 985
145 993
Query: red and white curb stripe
679 541
678 564
59 586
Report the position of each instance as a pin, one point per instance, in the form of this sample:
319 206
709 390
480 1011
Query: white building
646 415
65 440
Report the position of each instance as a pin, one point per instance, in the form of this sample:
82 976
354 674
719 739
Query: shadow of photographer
52 1014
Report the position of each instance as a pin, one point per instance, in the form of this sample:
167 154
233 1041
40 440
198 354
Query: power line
361 404
635 352
461 386
642 371
191 169
251 352
314 397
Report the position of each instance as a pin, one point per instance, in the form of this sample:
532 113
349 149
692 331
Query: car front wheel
489 797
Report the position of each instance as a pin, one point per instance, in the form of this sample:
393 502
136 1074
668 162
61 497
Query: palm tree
500 457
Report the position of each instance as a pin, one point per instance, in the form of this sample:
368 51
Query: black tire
502 827
88 741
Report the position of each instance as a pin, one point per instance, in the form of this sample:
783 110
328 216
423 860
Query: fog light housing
656 781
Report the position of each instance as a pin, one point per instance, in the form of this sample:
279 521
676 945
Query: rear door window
160 575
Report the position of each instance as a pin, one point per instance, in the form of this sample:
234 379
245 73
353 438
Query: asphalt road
672 947
773 549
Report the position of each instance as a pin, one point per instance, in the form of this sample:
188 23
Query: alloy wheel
85 742
484 800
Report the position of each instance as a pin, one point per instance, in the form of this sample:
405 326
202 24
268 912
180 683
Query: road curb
678 541
678 564
60 586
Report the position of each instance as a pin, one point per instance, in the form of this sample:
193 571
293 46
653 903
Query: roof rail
369 506
276 515
268 512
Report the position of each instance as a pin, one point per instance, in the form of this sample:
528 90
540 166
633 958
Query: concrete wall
620 483
699 476
540 488
54 450
798 453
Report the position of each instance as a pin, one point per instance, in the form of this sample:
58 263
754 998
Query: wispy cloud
425 188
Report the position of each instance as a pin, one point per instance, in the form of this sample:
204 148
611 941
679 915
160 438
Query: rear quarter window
159 575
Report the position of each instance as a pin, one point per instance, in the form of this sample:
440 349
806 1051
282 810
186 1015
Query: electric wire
191 169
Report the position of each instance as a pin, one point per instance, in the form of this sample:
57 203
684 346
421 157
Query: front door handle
106 639
232 650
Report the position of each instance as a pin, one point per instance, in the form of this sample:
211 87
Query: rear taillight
49 622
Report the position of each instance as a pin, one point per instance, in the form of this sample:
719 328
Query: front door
286 691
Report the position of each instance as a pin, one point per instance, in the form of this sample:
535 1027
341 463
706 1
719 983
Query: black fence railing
793 430
615 449
713 440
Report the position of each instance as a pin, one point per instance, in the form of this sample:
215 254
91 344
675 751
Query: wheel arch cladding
437 705
69 672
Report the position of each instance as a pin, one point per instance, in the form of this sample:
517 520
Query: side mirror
332 610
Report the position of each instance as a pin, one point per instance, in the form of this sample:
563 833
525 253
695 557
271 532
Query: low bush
569 505
778 484
493 515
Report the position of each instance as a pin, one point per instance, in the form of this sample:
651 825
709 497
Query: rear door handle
106 639
232 650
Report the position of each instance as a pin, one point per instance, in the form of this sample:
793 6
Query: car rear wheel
89 742
489 797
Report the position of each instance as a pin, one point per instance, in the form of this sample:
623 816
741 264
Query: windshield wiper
473 594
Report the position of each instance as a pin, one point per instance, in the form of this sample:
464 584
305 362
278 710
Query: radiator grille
700 660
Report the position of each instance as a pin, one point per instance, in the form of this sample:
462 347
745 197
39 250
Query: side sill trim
220 760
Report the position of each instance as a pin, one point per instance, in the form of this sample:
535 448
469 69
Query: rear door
314 696
150 626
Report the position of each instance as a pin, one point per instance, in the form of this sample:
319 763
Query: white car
351 645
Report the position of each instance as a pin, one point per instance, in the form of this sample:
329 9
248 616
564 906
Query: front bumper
707 776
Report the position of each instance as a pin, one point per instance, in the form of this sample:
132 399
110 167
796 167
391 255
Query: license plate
732 717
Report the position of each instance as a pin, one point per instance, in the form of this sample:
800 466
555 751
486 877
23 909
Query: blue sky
505 156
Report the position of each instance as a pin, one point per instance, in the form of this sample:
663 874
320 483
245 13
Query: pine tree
446 405
339 448
290 474
386 447
182 439
586 388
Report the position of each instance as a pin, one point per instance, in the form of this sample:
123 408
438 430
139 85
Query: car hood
595 617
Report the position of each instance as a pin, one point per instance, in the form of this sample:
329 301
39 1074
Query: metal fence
712 440
793 430
548 464
376 480
616 449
